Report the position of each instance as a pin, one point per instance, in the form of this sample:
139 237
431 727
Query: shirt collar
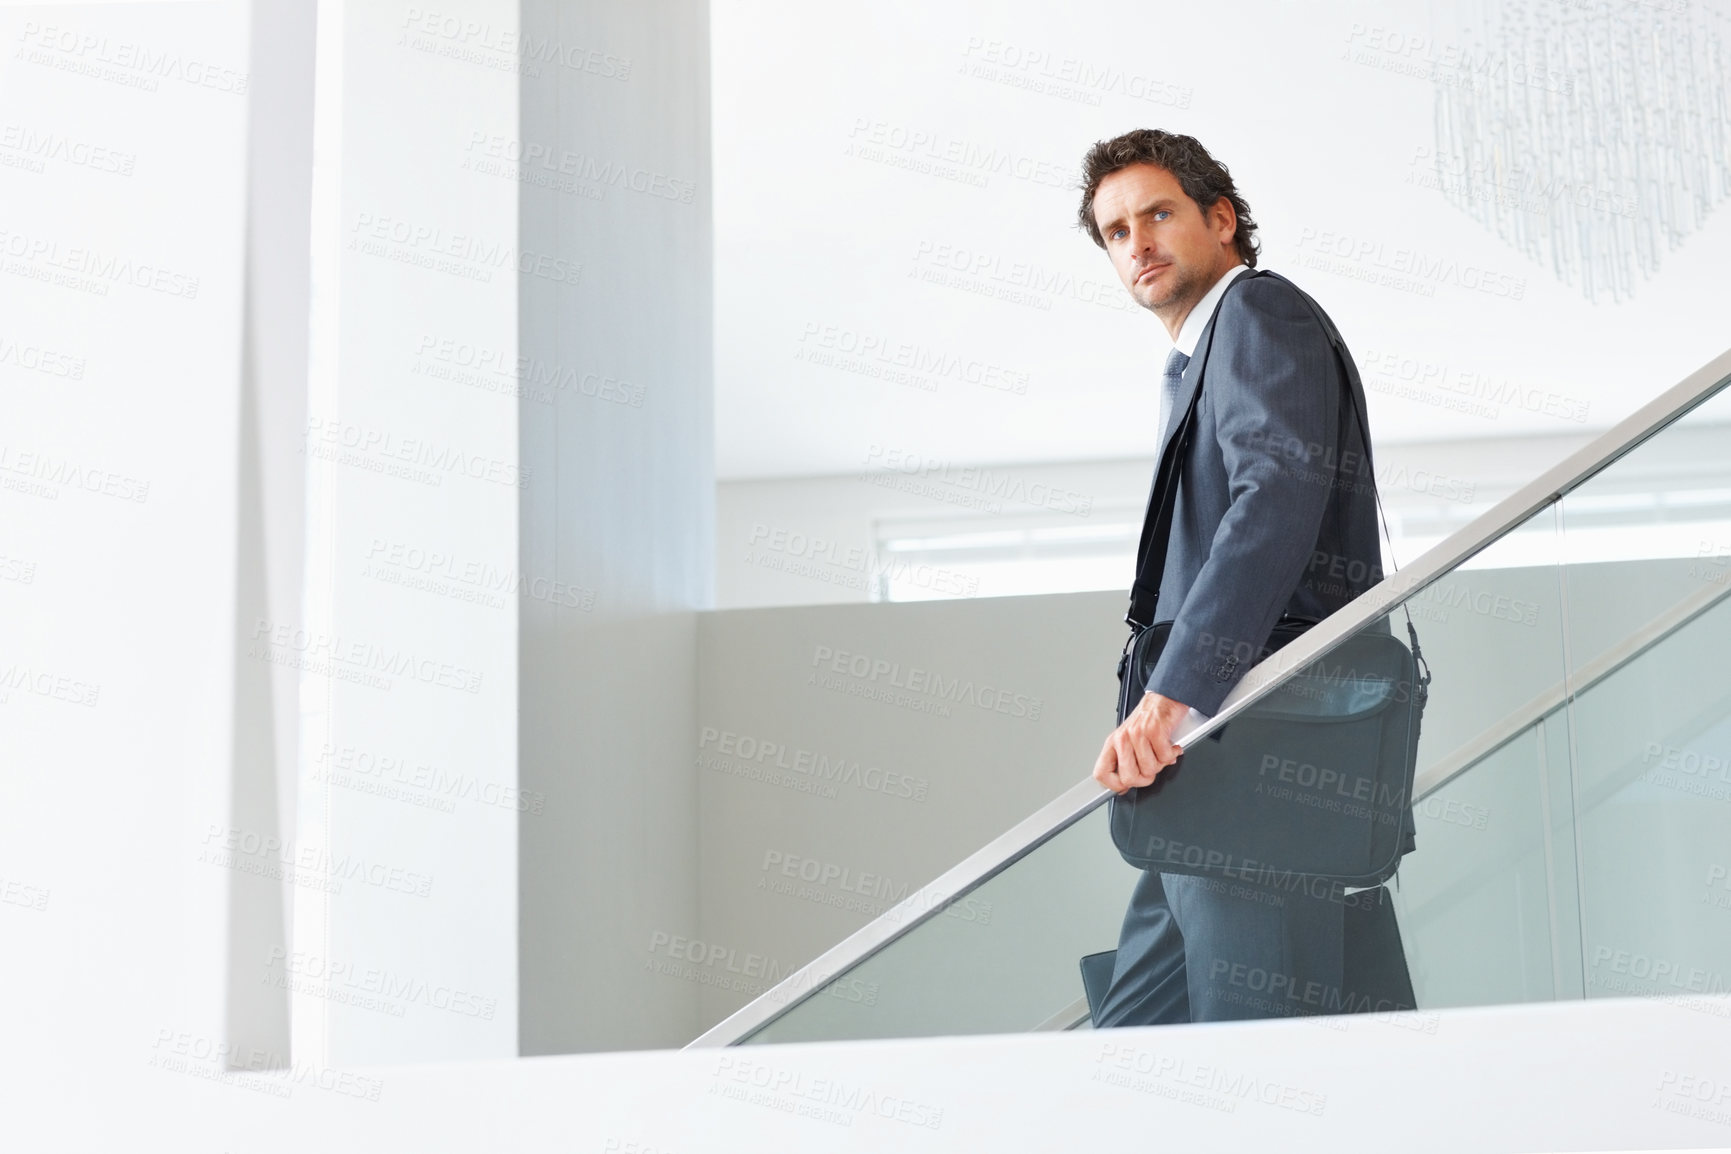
1191 330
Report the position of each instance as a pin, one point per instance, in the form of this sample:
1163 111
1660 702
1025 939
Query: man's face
1167 251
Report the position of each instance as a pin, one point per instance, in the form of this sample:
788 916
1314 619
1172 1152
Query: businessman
1264 525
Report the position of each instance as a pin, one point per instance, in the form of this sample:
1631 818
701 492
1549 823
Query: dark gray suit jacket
1276 498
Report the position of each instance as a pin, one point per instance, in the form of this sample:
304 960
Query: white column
405 916
618 517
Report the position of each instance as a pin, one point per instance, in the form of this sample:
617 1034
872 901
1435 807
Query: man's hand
1140 748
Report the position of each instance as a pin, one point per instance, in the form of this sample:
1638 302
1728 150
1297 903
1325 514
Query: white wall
957 720
123 288
1629 1075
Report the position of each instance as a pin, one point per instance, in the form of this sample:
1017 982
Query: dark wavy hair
1203 179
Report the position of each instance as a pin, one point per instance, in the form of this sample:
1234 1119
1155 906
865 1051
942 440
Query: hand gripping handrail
1084 797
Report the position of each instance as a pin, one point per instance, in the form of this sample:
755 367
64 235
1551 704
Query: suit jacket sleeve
1272 386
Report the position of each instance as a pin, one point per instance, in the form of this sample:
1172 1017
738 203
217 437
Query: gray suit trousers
1206 950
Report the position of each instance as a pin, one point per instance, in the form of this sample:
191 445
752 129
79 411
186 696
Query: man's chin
1151 300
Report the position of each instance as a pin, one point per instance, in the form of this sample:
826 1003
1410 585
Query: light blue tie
1174 377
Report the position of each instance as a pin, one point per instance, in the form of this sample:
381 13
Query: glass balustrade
1647 581
1572 804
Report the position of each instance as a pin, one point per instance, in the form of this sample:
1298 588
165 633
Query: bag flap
1306 698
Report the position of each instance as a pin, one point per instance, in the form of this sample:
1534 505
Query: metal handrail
1084 797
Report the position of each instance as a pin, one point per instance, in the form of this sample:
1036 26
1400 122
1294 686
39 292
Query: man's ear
1224 215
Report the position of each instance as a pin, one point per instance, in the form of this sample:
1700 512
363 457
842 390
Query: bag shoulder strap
1355 397
1156 537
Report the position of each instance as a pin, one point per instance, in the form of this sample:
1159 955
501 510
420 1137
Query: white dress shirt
1189 333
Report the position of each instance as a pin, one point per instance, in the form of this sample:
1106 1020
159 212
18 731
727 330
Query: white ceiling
1330 138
